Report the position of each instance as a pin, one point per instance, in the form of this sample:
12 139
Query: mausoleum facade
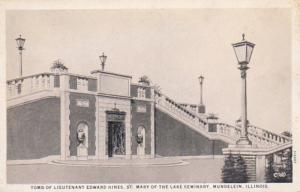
106 115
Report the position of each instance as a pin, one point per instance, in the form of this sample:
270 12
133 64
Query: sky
172 47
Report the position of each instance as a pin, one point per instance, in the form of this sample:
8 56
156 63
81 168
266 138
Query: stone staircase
228 133
250 161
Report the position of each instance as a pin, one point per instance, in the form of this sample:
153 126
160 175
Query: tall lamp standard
20 42
201 107
201 79
103 60
243 51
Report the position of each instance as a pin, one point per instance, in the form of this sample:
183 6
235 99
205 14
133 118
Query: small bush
234 170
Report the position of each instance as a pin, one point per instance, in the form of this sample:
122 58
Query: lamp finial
243 35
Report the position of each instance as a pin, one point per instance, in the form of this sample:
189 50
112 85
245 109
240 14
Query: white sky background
172 47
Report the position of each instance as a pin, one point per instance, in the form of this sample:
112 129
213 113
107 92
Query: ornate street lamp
201 79
201 107
20 42
243 51
103 60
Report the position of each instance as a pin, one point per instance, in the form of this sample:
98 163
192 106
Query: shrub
234 170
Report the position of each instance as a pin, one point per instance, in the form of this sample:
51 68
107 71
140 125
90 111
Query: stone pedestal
140 151
201 108
82 152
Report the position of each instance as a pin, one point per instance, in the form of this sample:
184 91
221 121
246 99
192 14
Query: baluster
37 85
47 81
9 89
196 122
16 88
43 81
40 81
32 84
79 84
86 84
83 84
25 86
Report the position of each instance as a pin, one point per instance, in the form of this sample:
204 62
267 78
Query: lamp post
103 60
201 107
201 79
243 51
20 42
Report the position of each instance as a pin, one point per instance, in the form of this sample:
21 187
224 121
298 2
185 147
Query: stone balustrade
29 84
49 81
178 109
228 130
190 107
258 136
275 138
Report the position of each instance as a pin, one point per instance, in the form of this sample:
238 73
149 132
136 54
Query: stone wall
33 130
141 116
82 110
174 138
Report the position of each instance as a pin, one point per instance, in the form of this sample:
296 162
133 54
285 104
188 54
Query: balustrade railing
176 108
276 138
257 135
46 81
24 85
228 130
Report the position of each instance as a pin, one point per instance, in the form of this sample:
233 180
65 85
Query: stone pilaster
97 128
64 117
152 125
102 132
128 135
260 168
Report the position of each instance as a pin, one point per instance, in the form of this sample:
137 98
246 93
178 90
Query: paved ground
196 170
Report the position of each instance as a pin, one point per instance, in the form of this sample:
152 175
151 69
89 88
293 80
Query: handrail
178 106
50 73
32 83
256 134
28 84
270 133
29 76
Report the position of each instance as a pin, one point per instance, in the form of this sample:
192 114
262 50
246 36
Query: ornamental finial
243 35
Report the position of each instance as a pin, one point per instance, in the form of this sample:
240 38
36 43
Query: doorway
116 138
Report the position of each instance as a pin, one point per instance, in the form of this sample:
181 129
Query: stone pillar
102 128
260 168
152 125
128 135
64 117
97 128
51 81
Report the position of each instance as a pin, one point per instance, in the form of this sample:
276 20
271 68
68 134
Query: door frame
114 115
